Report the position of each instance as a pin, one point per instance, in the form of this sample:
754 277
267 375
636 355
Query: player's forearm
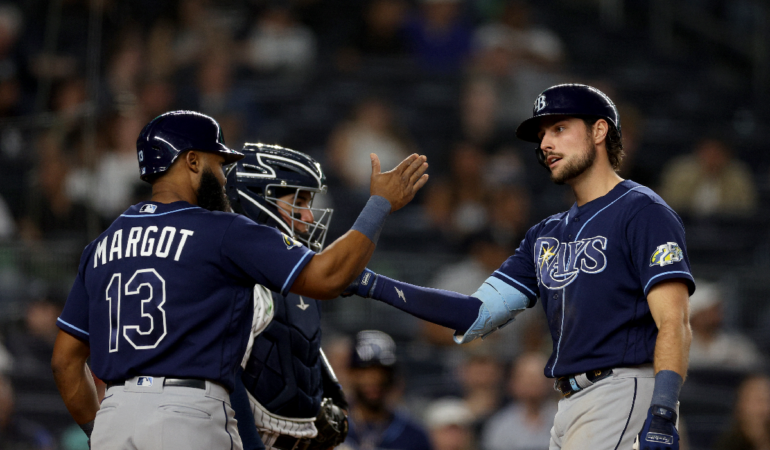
445 308
672 346
73 378
332 270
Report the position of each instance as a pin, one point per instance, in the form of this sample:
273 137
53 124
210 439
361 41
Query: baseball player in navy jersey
285 373
163 298
612 274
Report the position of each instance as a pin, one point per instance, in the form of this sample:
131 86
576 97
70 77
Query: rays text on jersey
141 241
559 263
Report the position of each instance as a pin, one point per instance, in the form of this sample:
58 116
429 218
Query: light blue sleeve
501 303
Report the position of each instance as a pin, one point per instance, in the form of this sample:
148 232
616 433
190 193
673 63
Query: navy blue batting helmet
166 136
567 100
257 184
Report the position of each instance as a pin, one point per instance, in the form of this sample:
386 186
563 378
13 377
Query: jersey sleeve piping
518 283
80 334
670 275
295 273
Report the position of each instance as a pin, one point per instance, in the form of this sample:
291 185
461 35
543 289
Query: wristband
372 217
667 386
87 428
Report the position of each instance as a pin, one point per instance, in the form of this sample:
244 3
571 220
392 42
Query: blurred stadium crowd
339 79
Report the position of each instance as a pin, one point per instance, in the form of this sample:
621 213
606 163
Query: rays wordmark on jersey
560 263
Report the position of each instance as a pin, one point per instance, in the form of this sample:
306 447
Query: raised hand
398 186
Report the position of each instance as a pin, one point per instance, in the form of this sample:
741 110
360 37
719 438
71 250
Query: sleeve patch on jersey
290 242
666 254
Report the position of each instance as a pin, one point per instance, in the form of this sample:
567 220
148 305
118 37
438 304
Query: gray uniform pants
607 415
155 417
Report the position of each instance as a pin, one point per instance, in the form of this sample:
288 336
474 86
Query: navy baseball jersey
592 267
167 290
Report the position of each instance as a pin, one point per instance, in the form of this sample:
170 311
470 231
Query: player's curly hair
613 142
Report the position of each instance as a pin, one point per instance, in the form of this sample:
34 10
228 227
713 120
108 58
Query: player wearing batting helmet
612 274
163 299
293 394
372 374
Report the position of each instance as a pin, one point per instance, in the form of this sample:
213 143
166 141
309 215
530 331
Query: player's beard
211 194
578 166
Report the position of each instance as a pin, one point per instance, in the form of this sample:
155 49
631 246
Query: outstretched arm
332 270
492 306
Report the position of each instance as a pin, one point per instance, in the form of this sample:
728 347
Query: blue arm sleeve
239 400
446 308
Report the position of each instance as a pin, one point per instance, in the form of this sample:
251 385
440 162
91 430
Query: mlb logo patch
144 381
149 209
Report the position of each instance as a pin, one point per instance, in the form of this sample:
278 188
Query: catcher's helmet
567 100
268 172
373 348
172 133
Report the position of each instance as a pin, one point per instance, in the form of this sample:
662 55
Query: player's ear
193 161
601 128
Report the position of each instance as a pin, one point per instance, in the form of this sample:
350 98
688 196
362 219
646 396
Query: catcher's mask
256 184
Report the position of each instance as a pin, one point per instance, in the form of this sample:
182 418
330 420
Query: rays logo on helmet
539 103
666 254
290 241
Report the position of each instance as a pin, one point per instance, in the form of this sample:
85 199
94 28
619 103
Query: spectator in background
712 347
481 377
372 129
709 181
115 177
479 116
523 58
449 423
526 423
280 45
382 30
51 212
11 24
508 208
156 96
17 433
751 420
456 205
439 38
373 424
32 344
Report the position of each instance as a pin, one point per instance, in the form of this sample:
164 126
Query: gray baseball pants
607 415
142 416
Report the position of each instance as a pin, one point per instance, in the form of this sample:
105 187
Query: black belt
570 384
285 442
179 382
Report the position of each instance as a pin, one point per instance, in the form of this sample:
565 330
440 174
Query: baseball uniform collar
601 202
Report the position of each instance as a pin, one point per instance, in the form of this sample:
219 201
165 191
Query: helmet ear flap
541 157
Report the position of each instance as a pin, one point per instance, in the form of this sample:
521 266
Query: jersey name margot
559 263
141 242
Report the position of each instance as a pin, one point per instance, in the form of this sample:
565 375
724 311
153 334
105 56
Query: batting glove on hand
659 430
363 286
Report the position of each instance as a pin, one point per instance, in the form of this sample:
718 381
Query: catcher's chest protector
283 372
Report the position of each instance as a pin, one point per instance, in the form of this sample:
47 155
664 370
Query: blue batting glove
363 286
659 430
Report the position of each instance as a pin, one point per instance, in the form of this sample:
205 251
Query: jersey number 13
152 329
